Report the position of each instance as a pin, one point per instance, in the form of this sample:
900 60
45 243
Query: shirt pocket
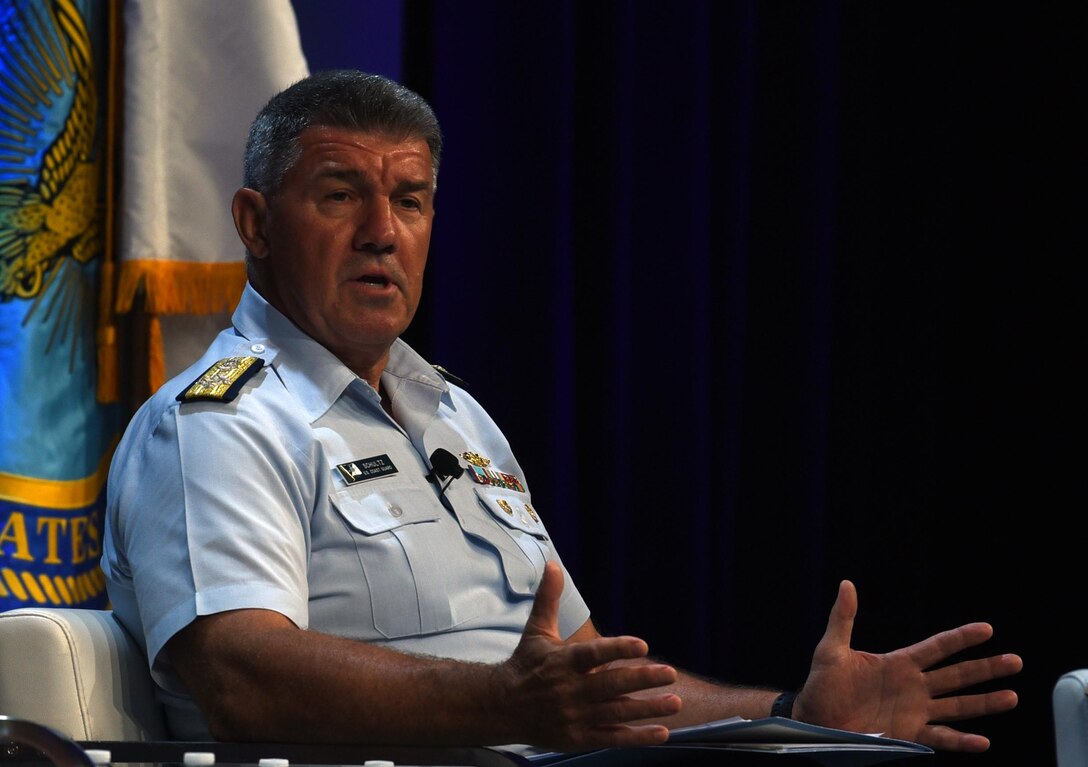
397 534
518 521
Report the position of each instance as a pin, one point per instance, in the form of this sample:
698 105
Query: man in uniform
318 536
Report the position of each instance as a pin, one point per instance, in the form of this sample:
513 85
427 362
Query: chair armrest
1070 701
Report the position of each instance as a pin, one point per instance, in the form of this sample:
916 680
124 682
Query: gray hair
339 98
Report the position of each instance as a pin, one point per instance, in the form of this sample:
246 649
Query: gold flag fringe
181 287
177 287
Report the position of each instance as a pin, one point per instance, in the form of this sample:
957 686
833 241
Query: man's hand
256 676
567 692
901 694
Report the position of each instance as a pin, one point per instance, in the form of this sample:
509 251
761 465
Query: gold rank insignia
505 506
476 459
223 380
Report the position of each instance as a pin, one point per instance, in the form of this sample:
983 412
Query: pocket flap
512 509
384 508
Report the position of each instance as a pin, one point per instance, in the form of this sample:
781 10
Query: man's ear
250 211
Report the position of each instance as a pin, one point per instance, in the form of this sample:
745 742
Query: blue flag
56 439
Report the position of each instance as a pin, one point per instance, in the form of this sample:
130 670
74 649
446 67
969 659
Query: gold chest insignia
476 459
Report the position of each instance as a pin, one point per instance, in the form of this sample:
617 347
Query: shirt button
257 348
396 511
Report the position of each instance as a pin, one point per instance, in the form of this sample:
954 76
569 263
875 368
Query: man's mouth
374 279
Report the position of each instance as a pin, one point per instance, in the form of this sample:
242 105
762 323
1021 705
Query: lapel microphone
444 464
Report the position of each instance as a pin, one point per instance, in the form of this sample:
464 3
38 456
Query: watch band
783 705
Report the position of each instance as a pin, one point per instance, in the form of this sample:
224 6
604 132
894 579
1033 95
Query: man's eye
411 204
339 196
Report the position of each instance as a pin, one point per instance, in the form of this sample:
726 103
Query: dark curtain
767 295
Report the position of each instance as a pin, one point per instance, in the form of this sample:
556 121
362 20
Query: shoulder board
450 376
223 380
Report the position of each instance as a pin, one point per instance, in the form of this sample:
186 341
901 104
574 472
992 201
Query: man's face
346 238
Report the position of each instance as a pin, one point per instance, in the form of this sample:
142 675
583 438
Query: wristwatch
783 705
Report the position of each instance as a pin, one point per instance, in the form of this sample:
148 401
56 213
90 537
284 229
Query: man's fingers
597 686
625 710
944 738
610 723
972 706
935 649
625 736
587 656
544 617
971 672
840 623
614 683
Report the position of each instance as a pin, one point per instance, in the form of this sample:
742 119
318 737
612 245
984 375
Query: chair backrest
79 672
1070 701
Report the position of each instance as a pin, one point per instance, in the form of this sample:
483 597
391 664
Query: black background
766 295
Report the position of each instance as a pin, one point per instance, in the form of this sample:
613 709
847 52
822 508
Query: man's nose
376 232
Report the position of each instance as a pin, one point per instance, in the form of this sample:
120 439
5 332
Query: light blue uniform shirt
217 506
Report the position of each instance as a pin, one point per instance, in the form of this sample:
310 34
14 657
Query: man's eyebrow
422 185
356 176
345 174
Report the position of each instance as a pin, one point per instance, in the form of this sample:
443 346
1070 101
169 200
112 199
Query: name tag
362 469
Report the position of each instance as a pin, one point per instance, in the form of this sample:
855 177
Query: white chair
73 678
1070 701
78 672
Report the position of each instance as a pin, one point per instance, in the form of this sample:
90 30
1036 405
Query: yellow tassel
156 357
108 390
106 338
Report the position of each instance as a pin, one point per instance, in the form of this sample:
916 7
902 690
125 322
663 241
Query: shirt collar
313 374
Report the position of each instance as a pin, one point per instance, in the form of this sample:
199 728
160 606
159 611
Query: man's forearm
271 681
706 700
256 676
